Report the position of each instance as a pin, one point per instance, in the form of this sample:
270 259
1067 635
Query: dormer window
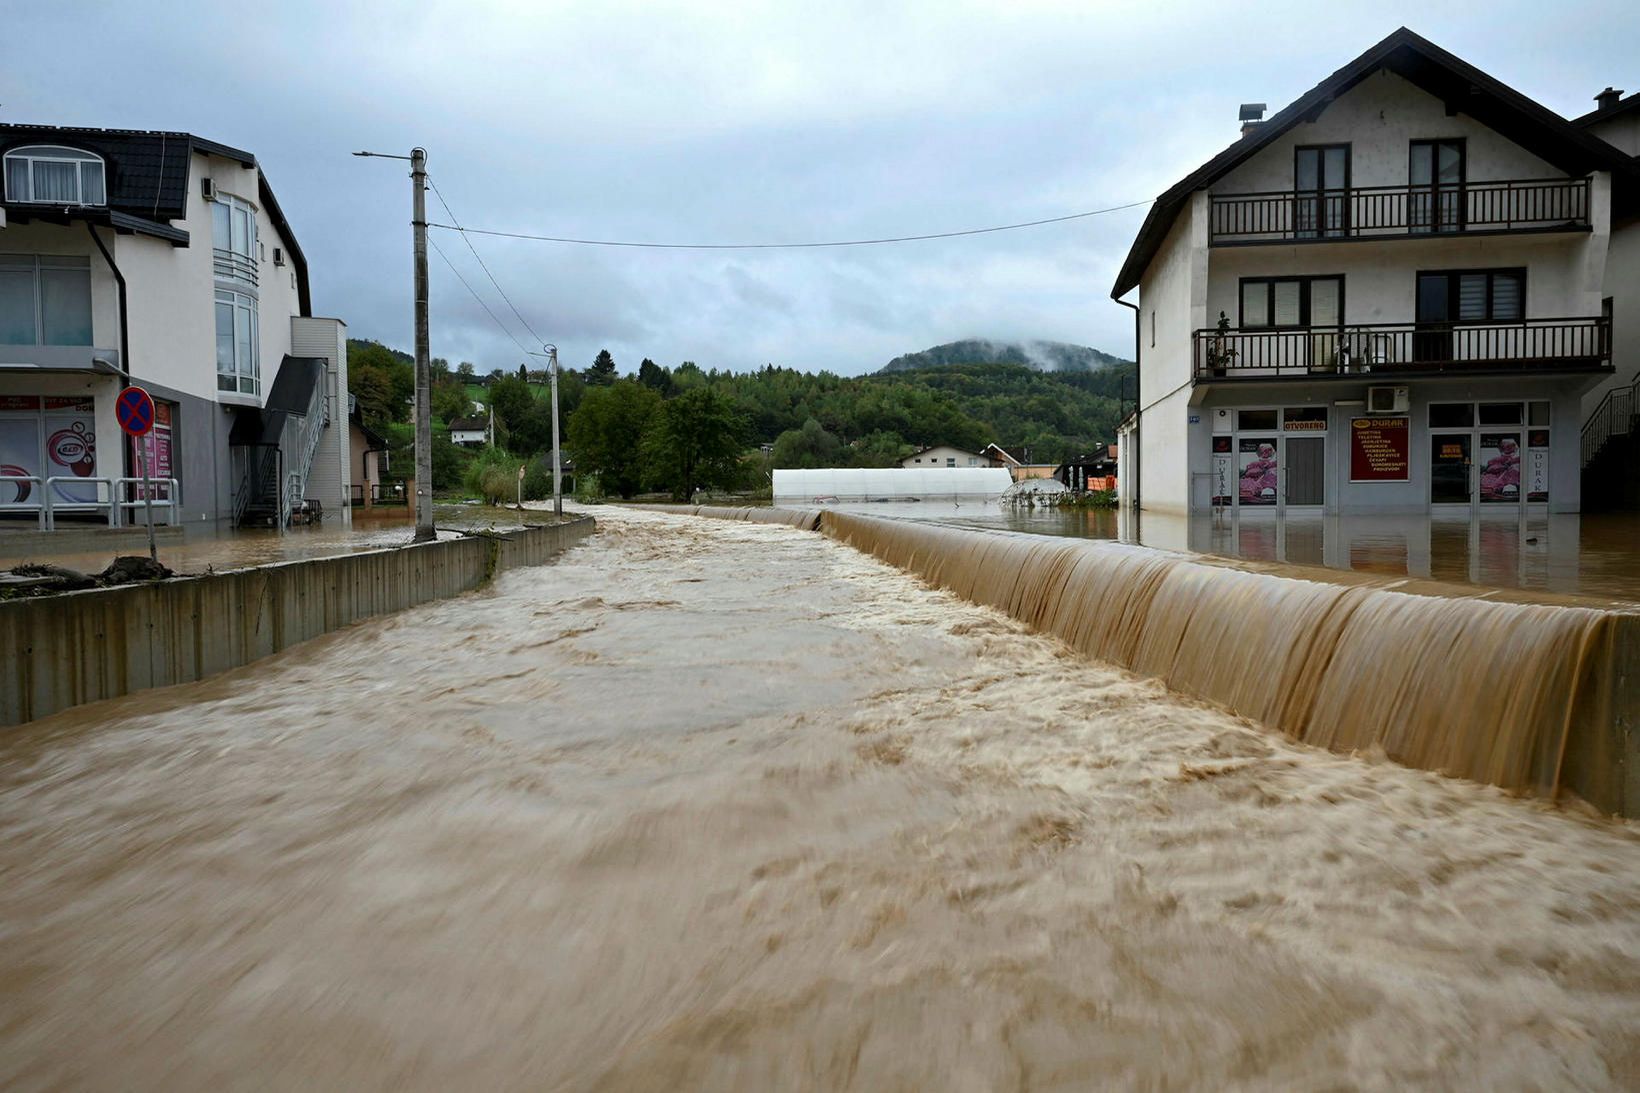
45 174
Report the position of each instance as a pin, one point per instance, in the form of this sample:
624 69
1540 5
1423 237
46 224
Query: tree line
677 430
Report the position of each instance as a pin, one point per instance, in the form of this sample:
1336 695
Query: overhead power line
477 297
454 220
787 246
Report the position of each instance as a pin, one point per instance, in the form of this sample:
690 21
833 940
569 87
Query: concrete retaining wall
61 651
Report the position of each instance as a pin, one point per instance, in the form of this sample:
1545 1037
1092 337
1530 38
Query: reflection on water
731 806
1595 555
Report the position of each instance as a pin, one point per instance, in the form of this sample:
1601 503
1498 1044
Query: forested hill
1043 356
870 420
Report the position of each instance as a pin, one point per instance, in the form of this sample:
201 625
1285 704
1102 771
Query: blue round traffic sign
135 411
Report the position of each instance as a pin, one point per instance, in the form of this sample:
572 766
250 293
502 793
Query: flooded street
720 805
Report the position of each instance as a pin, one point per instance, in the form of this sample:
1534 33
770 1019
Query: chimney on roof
1607 99
1252 116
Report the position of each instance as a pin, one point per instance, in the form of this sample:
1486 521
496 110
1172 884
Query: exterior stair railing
1613 417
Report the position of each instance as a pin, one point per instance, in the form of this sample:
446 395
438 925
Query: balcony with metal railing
1530 346
1405 211
229 265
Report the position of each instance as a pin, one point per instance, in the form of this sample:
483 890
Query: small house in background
1018 467
1096 471
944 455
470 432
367 451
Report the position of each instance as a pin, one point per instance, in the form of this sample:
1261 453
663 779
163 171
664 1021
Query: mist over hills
1043 356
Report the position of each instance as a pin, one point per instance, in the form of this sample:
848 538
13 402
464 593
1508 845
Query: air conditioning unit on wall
1387 400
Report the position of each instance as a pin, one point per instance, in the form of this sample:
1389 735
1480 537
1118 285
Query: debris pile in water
44 579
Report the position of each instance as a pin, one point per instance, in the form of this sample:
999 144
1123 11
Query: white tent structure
840 484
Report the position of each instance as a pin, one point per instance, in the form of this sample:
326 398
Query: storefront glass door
1450 479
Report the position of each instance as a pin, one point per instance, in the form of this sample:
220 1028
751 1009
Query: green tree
810 446
398 370
602 372
607 431
654 376
466 371
450 401
512 399
695 441
879 449
533 432
371 386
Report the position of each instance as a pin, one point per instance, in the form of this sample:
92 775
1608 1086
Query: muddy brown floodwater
718 805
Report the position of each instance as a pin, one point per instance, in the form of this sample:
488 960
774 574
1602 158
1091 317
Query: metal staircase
275 455
1611 451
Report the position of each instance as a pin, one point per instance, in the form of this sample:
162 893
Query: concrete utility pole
424 379
557 448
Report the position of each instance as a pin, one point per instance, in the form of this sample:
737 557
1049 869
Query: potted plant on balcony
1219 354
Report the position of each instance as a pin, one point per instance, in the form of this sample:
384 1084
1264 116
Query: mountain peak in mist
1044 356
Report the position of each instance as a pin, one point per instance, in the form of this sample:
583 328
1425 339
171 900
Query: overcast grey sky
742 122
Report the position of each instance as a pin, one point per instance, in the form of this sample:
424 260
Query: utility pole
557 449
424 385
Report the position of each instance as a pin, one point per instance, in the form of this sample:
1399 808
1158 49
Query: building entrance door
1304 462
1450 479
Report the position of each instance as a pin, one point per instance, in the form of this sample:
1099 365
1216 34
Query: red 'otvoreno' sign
1380 449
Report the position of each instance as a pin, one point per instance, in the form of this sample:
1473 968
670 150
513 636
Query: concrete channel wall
64 650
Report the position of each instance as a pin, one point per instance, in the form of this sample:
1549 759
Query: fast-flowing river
722 805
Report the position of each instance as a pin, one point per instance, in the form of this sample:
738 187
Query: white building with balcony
1390 296
162 260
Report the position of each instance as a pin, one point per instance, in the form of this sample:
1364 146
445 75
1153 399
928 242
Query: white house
1391 296
470 432
944 455
163 260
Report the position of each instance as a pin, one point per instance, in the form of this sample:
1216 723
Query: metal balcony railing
1530 345
232 266
1384 211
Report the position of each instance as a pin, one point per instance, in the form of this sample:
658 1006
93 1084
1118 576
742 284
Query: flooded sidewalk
196 550
720 805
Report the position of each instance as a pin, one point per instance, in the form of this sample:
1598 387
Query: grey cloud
689 122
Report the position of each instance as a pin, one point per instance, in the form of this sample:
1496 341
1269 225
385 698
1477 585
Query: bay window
234 241
45 299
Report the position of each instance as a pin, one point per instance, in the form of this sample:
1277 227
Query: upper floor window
238 356
234 241
45 174
1291 302
45 299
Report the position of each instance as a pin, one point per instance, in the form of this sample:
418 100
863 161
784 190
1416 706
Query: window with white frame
45 174
45 299
234 242
238 367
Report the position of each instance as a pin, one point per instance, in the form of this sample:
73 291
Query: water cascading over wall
1537 696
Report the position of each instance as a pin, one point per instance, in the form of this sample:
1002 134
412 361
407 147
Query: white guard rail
173 496
21 503
55 505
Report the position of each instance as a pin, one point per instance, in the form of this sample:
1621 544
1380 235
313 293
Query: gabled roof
1461 85
147 181
470 424
931 447
1001 453
1623 106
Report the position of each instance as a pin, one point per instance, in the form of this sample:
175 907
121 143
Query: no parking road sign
135 411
